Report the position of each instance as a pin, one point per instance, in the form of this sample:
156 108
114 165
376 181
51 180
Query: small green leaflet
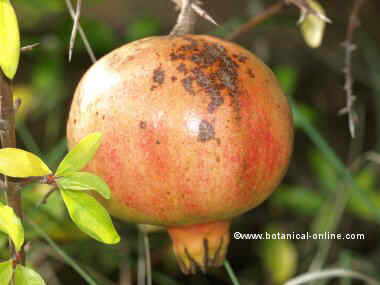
313 27
9 39
80 155
90 216
6 272
27 276
11 225
16 162
83 181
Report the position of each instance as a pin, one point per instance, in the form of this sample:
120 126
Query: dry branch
349 47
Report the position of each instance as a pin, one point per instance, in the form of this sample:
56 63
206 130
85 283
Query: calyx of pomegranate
200 246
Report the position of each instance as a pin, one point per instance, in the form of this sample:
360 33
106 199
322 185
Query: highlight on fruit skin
196 131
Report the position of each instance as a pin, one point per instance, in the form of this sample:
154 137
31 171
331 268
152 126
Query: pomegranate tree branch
81 31
264 15
306 9
75 28
350 47
8 139
274 9
186 19
197 7
29 47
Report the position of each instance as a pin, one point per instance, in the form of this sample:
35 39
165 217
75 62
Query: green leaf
83 181
27 276
6 272
80 155
313 27
16 162
9 39
11 225
90 216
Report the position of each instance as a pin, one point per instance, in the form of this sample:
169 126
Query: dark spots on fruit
218 159
97 113
182 68
174 78
218 141
142 125
75 121
206 131
103 117
175 56
187 83
215 71
250 73
158 142
159 76
242 58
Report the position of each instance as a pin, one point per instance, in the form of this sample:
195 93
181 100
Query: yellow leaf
313 27
19 163
11 225
9 39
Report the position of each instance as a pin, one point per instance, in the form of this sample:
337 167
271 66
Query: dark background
316 195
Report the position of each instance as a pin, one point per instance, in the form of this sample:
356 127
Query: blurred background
332 184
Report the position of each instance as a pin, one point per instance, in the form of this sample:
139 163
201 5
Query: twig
141 267
231 273
75 29
331 273
199 10
47 196
306 9
186 19
274 9
349 47
8 139
29 47
264 15
148 262
81 32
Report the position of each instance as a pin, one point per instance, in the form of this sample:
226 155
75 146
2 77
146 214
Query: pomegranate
195 131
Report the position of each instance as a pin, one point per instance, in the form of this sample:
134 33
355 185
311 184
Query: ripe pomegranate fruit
195 131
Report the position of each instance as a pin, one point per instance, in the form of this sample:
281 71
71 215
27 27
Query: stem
148 263
353 24
8 139
231 273
264 15
141 267
186 19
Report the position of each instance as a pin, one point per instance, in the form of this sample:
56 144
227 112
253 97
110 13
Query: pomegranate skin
195 129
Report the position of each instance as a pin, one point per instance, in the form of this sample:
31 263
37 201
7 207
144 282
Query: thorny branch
196 5
81 32
307 9
274 9
266 14
186 19
75 29
8 139
29 47
350 47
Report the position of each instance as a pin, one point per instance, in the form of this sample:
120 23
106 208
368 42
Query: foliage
327 168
